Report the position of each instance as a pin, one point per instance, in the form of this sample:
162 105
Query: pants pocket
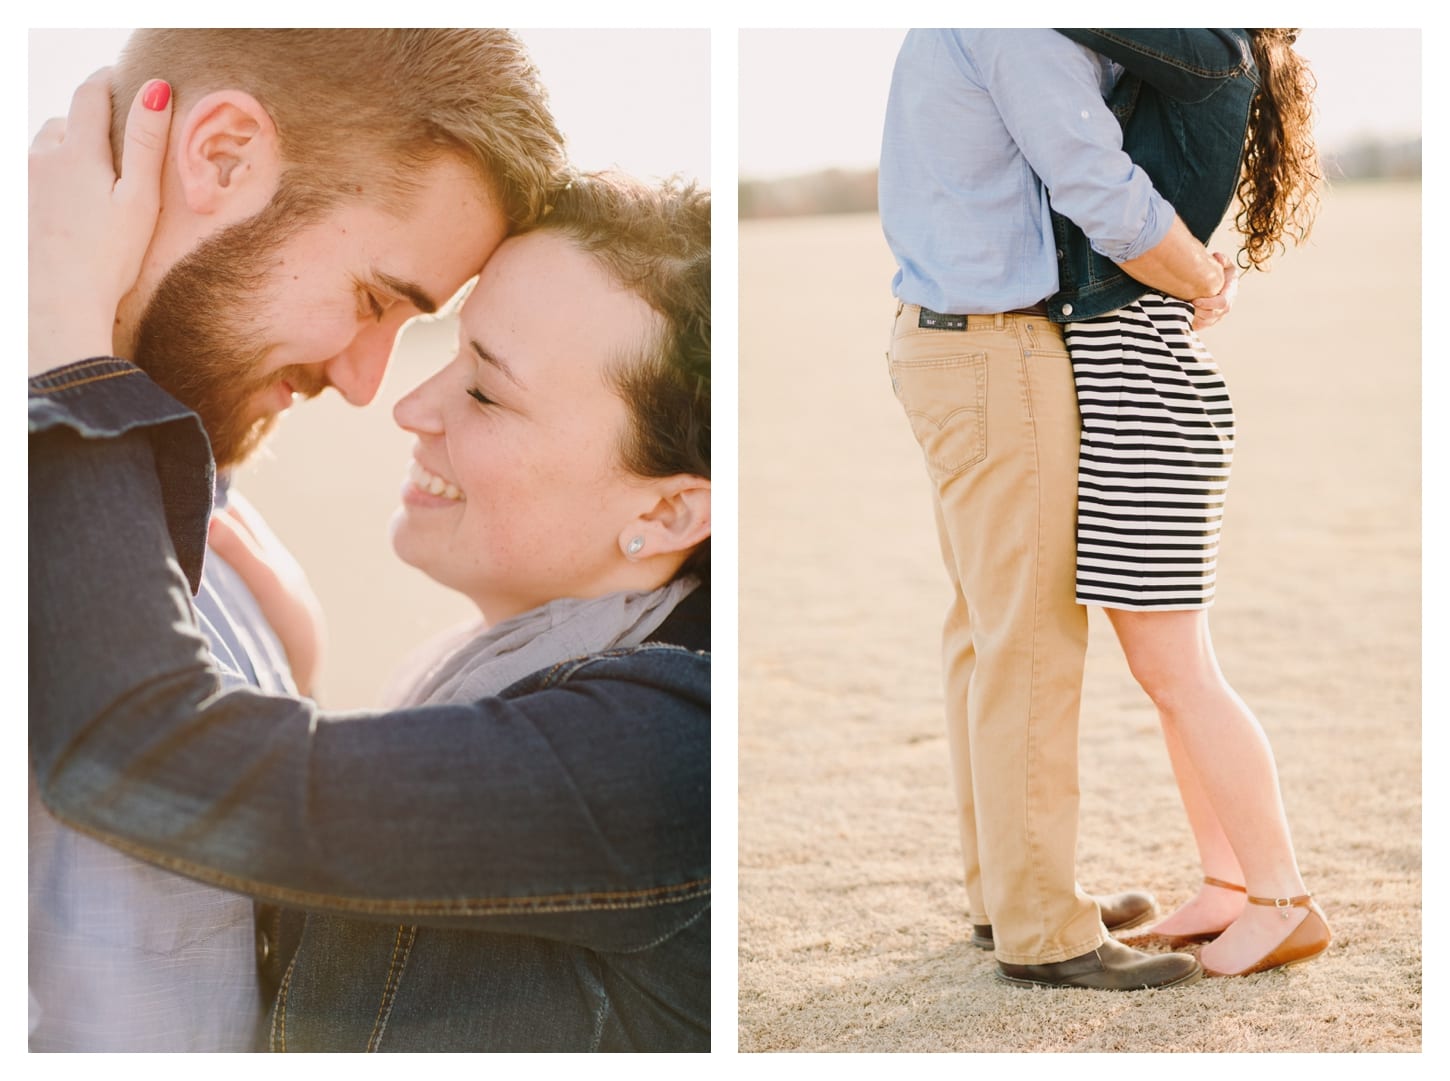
945 399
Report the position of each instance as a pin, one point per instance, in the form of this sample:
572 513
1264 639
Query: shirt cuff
1157 221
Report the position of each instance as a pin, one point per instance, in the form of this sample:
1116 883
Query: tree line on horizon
853 191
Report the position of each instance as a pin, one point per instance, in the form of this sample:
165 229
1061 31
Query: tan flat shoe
1303 943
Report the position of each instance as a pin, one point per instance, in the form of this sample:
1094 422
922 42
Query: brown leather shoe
1120 911
1110 967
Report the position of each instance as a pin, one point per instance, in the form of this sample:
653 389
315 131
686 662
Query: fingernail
157 94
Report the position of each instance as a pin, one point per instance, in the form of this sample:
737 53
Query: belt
940 321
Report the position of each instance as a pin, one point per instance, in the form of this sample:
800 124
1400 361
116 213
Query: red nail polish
157 95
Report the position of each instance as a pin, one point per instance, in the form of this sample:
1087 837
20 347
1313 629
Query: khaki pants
995 412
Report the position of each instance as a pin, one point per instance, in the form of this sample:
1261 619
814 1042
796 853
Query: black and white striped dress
1157 444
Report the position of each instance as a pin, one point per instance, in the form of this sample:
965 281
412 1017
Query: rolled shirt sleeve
1050 96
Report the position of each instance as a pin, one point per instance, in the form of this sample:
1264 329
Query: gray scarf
491 659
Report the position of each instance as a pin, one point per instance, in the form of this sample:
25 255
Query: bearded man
321 187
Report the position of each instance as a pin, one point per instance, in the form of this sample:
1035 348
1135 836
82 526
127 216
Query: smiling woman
522 438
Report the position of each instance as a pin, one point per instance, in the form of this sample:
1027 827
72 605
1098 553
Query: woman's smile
425 489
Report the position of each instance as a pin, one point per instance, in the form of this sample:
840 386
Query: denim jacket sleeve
574 806
1185 64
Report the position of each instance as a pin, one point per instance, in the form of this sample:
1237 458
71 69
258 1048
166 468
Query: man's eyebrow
497 362
409 291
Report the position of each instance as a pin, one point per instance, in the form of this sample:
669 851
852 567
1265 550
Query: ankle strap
1302 901
1209 880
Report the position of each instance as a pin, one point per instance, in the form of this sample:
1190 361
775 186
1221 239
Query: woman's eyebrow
497 362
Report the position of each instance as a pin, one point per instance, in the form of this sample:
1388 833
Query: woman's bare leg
1212 908
1224 748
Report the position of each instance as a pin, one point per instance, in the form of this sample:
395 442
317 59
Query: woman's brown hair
1278 192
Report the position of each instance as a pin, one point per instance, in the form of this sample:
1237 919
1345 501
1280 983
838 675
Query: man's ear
676 522
227 156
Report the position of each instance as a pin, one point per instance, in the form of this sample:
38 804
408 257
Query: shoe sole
1182 981
1272 968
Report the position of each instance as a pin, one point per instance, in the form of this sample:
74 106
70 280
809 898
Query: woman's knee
1167 656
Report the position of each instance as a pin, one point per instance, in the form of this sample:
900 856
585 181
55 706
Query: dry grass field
852 928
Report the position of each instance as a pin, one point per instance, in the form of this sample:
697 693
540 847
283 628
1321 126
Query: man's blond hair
358 112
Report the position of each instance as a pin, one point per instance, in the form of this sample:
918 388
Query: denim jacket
1184 105
530 871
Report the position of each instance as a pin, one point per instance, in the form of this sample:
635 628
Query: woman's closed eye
480 397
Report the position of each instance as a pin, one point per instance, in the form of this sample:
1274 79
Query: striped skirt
1157 444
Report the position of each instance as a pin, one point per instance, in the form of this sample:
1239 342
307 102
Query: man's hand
89 231
1209 310
241 538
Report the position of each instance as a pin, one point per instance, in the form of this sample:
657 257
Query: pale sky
815 99
604 88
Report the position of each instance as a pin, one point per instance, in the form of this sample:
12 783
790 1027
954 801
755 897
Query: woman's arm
579 810
1186 64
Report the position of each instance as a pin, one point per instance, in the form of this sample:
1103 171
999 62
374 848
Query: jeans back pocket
945 399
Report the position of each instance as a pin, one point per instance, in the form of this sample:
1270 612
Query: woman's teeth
425 481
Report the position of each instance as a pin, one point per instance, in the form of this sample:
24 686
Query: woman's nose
418 410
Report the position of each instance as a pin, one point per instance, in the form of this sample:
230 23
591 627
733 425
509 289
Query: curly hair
654 239
1278 192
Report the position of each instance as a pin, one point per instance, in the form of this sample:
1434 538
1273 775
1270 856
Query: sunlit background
636 99
816 99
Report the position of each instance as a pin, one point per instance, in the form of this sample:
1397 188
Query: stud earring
635 546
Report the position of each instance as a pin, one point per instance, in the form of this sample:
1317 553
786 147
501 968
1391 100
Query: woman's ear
675 523
228 159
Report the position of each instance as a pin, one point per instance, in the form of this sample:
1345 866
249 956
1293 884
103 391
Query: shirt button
1061 254
1067 309
264 947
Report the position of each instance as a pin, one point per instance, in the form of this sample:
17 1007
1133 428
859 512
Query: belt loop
999 321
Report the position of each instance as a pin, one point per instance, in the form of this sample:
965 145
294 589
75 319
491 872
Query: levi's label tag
930 320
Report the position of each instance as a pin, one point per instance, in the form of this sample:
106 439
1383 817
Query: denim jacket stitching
543 905
278 1039
405 938
1175 60
696 918
57 388
563 671
46 382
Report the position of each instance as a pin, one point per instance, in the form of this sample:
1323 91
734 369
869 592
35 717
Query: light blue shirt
125 956
981 126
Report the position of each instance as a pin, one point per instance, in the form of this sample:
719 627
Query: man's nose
358 370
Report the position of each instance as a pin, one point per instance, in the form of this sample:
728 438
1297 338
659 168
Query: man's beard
200 337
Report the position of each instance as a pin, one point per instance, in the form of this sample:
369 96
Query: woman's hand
89 230
1209 310
241 538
